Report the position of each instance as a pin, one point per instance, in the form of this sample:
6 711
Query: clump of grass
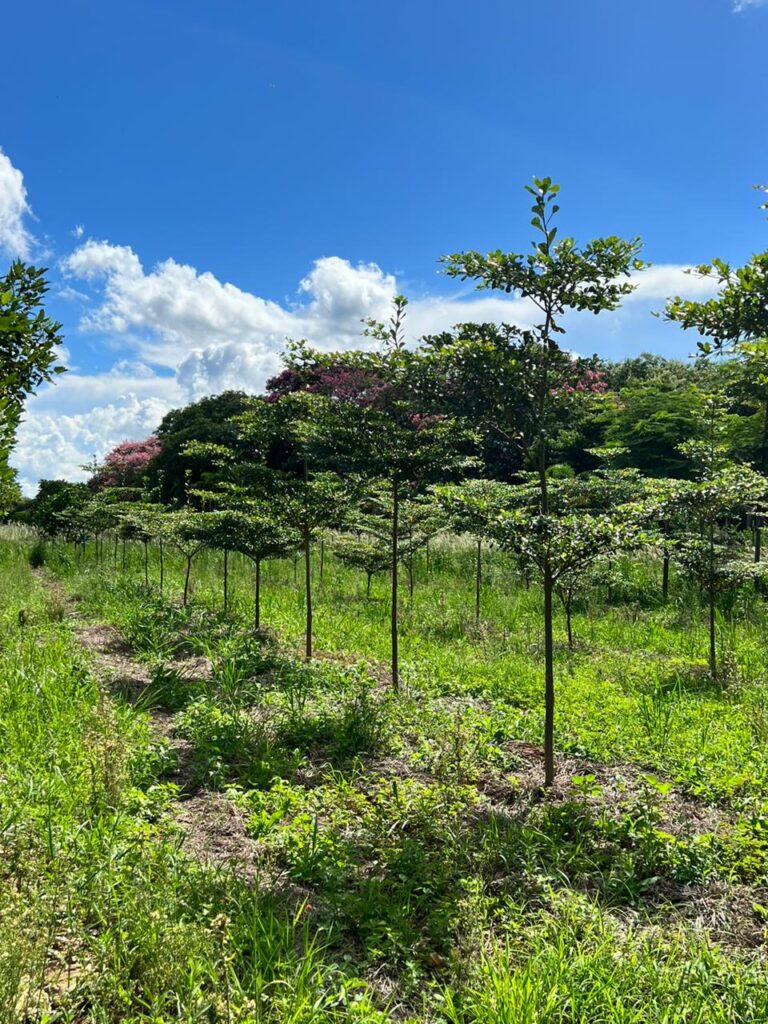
37 555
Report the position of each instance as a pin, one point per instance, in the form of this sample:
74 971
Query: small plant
38 555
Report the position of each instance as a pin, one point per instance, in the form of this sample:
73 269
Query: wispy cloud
742 5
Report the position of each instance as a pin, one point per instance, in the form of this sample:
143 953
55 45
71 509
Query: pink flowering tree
126 464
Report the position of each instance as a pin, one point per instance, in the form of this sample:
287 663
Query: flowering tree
126 464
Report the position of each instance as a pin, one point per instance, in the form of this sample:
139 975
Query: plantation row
375 444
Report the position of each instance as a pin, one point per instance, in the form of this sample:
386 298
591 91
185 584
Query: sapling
554 276
710 549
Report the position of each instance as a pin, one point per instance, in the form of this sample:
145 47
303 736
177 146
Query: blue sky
204 178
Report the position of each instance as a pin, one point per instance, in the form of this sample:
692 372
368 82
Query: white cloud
660 282
743 5
15 238
84 416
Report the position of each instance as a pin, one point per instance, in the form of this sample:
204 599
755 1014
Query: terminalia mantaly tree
554 276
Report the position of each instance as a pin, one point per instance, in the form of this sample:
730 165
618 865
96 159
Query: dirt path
214 829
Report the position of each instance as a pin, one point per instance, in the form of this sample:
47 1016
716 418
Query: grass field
392 856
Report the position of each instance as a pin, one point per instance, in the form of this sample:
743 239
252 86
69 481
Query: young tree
391 441
555 276
368 545
304 496
187 531
709 511
467 508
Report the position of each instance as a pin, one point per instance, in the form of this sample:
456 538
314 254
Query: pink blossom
126 463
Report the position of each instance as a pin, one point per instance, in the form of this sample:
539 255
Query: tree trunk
308 594
549 680
712 648
478 578
186 579
257 595
226 581
758 539
711 595
549 646
568 624
665 564
395 557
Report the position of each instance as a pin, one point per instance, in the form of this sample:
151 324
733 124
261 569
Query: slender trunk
307 568
665 564
711 595
308 594
758 550
568 624
162 564
549 647
395 556
712 648
257 595
186 579
758 540
478 578
410 565
295 560
549 680
226 581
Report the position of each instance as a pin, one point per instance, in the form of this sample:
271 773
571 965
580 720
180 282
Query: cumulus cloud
83 416
743 5
15 238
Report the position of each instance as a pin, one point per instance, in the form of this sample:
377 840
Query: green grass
406 867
